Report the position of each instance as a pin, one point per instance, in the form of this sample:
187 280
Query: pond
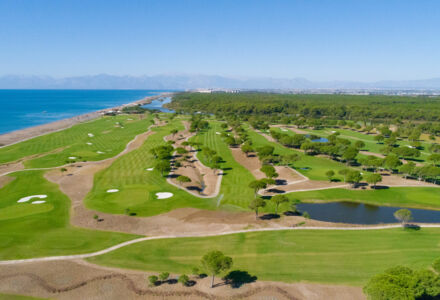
318 140
158 105
359 213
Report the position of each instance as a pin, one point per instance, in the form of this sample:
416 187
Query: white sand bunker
90 134
164 195
89 144
129 119
217 132
149 169
72 157
283 129
26 199
99 152
38 202
112 191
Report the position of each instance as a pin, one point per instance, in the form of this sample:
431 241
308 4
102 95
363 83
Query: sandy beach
31 132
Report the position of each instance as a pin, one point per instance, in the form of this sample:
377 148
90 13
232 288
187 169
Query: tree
163 166
403 215
407 169
256 204
257 185
153 280
359 144
246 148
374 179
181 150
293 205
344 172
269 170
182 179
289 159
354 177
174 131
215 262
350 154
164 276
183 279
379 138
391 162
277 200
330 175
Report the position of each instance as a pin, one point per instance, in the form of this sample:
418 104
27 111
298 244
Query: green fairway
35 230
327 256
108 137
311 166
18 297
137 187
235 182
416 197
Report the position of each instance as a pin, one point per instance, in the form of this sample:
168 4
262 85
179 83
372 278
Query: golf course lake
359 213
158 105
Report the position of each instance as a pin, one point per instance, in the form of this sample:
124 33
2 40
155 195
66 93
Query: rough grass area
326 256
35 230
137 186
109 138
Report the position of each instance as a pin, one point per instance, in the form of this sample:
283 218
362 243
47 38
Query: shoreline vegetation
22 135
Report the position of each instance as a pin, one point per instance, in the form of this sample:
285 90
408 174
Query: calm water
319 140
358 213
25 108
157 105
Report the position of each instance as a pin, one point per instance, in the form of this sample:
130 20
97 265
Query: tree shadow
280 182
237 278
171 281
277 191
269 217
411 227
172 176
380 187
292 213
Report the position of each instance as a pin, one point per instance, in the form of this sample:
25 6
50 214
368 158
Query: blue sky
319 40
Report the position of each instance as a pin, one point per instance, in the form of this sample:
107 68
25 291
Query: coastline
21 135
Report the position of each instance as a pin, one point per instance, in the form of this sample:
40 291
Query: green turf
137 187
416 197
327 256
311 166
55 149
35 230
234 188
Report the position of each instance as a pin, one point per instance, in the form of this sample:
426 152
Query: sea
21 109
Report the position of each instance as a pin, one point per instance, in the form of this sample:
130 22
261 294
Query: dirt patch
10 168
4 180
82 280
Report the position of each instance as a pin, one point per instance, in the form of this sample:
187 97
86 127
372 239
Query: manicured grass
35 230
326 256
59 146
18 297
416 197
235 182
137 187
311 166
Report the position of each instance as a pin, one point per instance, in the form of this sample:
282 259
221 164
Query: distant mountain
183 82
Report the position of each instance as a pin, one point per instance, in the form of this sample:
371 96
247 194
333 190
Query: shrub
164 276
152 279
183 279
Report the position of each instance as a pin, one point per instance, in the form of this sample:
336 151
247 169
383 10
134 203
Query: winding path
143 239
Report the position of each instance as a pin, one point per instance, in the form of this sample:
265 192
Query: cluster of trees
198 123
135 109
163 154
164 277
404 283
333 107
212 158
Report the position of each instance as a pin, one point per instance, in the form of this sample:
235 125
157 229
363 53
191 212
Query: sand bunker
89 144
99 152
38 202
25 199
72 157
112 191
149 169
217 132
90 134
283 129
164 195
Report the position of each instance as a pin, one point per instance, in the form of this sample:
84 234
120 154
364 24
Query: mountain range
185 82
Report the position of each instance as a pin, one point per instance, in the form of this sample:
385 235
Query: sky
364 40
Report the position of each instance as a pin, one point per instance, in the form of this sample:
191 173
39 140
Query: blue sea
26 108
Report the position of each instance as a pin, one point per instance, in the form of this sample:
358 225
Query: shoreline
21 135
